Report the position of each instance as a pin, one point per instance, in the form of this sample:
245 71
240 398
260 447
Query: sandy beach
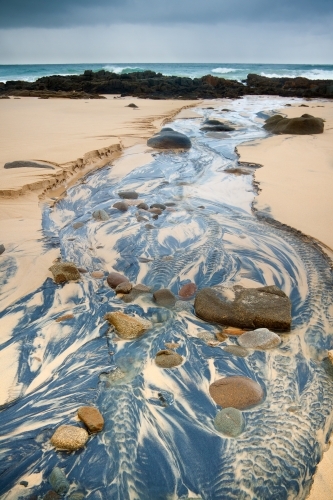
77 137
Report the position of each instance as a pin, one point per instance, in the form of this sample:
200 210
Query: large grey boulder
305 124
264 307
168 138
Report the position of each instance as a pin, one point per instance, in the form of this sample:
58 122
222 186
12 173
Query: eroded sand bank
297 175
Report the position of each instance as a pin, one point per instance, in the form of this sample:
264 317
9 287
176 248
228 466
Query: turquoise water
30 72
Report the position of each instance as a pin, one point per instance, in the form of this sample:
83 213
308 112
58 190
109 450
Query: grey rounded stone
261 338
77 225
59 481
158 205
100 215
168 359
121 205
114 279
236 350
142 206
128 195
164 298
230 422
168 138
124 287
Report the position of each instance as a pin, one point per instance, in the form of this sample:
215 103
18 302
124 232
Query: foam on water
159 440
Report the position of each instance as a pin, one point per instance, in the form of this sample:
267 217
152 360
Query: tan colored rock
65 317
231 330
168 359
92 418
69 437
97 274
126 326
330 355
171 345
236 392
220 336
64 271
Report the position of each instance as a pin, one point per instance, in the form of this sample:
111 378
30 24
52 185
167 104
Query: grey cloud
62 13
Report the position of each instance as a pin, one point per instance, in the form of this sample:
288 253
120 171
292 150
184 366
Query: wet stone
158 205
236 350
114 279
77 225
126 326
220 336
187 290
76 495
65 317
230 330
236 392
142 206
59 481
24 483
168 138
170 204
69 437
262 338
156 211
97 274
149 226
164 298
128 195
168 359
100 215
82 270
92 418
121 205
51 495
2 249
230 422
155 217
124 287
64 271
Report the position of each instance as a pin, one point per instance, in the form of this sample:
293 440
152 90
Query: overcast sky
56 31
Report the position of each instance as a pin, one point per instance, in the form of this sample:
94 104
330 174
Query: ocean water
30 72
159 440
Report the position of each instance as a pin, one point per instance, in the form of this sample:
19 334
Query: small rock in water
236 392
168 138
65 317
114 279
187 290
156 211
121 205
2 249
59 481
236 350
64 271
126 326
220 336
230 330
82 270
164 298
229 421
92 418
155 217
140 288
124 287
170 204
24 483
262 338
69 437
97 274
171 345
77 225
158 205
143 206
149 226
100 215
51 495
168 359
128 195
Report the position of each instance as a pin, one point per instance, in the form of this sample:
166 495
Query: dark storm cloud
62 13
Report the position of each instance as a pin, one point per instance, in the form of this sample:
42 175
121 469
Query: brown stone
164 297
168 359
91 417
97 274
231 330
121 205
305 124
220 336
236 392
64 271
187 290
264 307
69 437
114 279
126 326
64 317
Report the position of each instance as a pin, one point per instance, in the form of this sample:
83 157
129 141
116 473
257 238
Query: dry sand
75 136
295 182
297 175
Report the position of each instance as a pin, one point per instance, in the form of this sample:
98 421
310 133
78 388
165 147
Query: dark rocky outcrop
91 84
264 307
27 164
168 138
305 124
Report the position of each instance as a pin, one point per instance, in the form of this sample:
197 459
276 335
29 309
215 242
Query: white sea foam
314 74
120 70
223 71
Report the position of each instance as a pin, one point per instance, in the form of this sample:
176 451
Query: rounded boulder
230 422
236 392
168 138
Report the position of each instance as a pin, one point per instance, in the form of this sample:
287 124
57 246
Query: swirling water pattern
159 441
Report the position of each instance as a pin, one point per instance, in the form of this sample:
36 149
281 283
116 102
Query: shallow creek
159 440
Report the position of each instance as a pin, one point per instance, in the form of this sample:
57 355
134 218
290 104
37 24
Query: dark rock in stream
164 298
120 205
216 126
128 195
305 124
59 481
158 205
114 279
2 249
168 138
142 206
264 307
124 287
